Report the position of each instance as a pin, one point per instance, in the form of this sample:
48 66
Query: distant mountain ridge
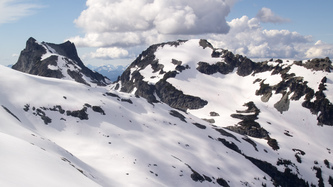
110 71
58 61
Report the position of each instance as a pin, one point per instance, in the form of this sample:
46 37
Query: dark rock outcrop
30 61
321 106
164 90
248 126
317 64
81 114
244 65
177 115
291 88
177 99
11 113
286 178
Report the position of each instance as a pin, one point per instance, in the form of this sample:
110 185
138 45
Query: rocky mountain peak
32 45
32 53
68 50
165 72
231 121
57 61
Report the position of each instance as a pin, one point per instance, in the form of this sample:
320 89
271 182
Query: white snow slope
63 133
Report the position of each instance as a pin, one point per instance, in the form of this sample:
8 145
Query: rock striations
58 61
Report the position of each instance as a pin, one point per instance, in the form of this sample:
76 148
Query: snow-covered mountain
58 61
110 71
182 114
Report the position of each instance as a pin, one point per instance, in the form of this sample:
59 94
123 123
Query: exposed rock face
58 61
321 105
244 65
164 90
295 84
248 126
239 114
32 53
291 88
318 64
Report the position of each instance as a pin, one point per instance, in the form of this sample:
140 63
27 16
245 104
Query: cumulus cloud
266 15
11 10
320 50
134 22
107 39
247 37
113 25
108 53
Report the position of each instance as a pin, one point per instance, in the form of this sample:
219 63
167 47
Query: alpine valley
182 114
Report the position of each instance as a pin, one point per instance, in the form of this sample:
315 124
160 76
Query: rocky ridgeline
227 62
164 90
206 153
293 87
30 61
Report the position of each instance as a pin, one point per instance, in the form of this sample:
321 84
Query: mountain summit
182 114
184 74
58 61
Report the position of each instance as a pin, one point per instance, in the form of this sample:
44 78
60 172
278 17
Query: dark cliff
32 61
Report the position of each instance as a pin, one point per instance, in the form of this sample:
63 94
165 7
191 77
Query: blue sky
106 32
306 17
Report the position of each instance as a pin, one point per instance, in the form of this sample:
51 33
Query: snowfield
132 145
57 132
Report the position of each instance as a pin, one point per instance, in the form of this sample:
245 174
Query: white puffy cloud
134 22
108 39
128 23
320 50
11 10
108 53
247 37
266 15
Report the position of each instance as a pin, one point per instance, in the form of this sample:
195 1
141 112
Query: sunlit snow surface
132 145
141 144
227 93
